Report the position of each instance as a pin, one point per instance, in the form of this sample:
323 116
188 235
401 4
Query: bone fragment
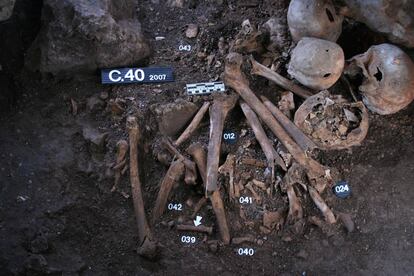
236 80
144 231
218 113
261 70
122 149
300 138
320 203
295 208
265 144
190 167
173 174
192 228
193 125
228 169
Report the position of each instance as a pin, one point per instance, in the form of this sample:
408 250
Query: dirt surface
59 217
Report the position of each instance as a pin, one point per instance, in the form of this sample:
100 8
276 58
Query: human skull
316 63
314 18
388 84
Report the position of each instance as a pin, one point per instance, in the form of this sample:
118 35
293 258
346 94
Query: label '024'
341 189
137 75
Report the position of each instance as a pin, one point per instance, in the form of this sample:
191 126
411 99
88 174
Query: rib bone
261 70
218 113
236 80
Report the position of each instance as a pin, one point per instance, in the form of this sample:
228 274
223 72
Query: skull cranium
388 84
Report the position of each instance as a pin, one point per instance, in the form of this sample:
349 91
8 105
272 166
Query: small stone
302 254
36 263
259 242
95 104
39 244
158 38
104 95
342 129
347 221
213 246
286 238
325 243
192 31
96 139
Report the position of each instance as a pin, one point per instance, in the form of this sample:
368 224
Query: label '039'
342 189
137 75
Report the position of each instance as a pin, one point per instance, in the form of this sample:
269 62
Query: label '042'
341 189
137 75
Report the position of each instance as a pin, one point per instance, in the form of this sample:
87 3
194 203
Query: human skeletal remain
316 63
388 72
314 18
331 122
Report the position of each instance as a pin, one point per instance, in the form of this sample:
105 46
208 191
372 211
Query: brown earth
58 216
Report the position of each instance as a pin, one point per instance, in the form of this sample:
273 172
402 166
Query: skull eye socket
378 75
326 75
330 16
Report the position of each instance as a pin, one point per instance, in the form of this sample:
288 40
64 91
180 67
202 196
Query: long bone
193 125
261 137
144 232
200 158
234 78
300 138
261 70
218 113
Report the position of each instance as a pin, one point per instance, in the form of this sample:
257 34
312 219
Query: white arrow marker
197 221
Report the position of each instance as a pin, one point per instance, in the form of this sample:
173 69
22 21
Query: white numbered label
184 48
245 251
342 188
245 200
188 239
175 206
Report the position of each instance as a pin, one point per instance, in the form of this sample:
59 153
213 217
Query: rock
79 36
302 254
36 263
276 27
95 104
213 246
176 3
173 117
148 249
192 31
6 9
347 221
39 244
272 219
95 139
394 18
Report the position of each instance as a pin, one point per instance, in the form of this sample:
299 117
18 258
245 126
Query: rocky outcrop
394 18
79 36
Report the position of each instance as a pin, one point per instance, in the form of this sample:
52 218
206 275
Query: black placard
341 189
230 137
137 75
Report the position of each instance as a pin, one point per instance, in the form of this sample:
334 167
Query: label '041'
137 75
342 189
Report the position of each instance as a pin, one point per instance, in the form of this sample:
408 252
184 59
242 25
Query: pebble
192 31
302 254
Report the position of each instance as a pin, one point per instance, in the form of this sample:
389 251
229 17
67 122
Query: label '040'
137 75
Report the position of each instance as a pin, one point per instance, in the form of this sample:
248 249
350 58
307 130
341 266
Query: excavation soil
59 217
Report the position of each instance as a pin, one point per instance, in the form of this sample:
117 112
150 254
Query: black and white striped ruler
205 88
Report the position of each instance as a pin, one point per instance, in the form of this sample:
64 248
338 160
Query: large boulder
79 36
6 9
394 18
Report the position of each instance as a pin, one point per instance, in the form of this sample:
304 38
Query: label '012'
137 75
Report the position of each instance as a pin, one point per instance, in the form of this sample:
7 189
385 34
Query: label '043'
341 189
